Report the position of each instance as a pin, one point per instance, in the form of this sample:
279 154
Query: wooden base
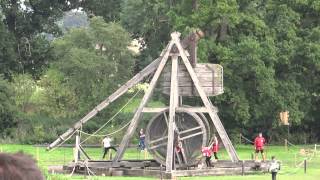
153 169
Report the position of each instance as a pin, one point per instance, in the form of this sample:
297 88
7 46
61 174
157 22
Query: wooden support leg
134 122
172 111
211 110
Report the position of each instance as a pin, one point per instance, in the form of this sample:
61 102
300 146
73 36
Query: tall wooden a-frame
174 52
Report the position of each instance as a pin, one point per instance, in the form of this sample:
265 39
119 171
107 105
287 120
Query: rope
102 135
292 144
90 135
246 139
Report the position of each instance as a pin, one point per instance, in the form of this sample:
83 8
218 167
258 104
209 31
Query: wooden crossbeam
178 109
158 140
189 130
191 135
159 145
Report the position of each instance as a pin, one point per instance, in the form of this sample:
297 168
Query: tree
147 21
26 20
7 50
7 109
94 61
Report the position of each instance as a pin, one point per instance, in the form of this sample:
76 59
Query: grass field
292 168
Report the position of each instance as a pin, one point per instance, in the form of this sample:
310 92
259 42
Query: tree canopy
270 51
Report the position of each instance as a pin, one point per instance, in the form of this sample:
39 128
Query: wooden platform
154 169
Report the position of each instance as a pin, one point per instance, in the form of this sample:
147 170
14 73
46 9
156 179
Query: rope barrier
251 142
112 117
292 144
102 135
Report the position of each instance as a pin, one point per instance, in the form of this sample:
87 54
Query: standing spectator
206 152
142 138
215 147
274 167
259 143
179 149
107 145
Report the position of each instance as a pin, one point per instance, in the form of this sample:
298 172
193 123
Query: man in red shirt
259 142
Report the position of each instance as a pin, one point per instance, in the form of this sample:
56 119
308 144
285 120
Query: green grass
289 159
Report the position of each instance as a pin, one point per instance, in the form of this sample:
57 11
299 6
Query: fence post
145 154
240 139
286 144
38 156
315 148
305 166
161 172
242 168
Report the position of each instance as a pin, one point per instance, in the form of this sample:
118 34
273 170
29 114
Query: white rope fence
124 106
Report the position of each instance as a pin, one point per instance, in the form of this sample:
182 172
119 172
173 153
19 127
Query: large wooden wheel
191 128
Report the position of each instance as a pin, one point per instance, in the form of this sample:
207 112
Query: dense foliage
270 51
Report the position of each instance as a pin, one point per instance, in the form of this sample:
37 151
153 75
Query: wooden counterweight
209 75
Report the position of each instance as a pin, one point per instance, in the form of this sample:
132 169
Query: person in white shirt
107 145
274 167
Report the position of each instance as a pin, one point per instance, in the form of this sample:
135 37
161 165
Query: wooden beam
192 109
157 140
189 130
178 109
154 110
213 115
134 122
191 135
159 145
172 110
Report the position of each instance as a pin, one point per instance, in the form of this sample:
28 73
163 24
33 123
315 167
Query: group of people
207 152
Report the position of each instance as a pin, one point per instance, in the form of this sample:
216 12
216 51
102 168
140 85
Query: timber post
172 111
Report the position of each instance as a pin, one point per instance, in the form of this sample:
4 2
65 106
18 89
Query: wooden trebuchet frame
175 51
174 104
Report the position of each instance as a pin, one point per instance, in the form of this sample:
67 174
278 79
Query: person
142 138
259 143
274 167
179 150
107 145
207 152
215 147
18 167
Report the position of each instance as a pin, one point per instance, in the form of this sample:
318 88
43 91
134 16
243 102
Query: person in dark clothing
274 168
142 138
107 145
179 149
207 152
